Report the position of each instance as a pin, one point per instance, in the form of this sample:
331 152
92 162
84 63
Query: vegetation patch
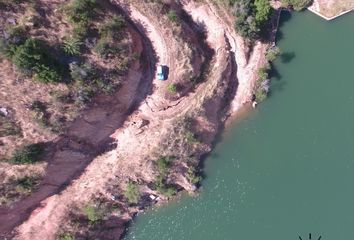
251 16
8 127
132 193
17 188
32 56
87 222
28 154
163 164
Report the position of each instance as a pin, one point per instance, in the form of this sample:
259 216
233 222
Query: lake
287 169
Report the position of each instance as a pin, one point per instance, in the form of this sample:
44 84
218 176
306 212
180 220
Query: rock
141 123
4 111
254 104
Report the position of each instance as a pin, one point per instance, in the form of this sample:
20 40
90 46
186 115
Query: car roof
159 69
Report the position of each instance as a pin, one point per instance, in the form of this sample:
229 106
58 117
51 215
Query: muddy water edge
286 170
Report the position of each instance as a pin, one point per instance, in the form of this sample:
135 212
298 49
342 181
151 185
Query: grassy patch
132 192
9 127
17 188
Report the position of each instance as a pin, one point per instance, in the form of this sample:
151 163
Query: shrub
192 176
172 15
15 188
71 46
260 95
132 193
67 236
93 214
190 137
272 54
263 73
163 164
34 56
26 184
14 36
28 154
172 88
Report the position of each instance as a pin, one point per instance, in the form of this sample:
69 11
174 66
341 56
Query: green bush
16 35
192 176
132 192
190 137
93 214
28 154
172 88
26 184
163 164
272 54
172 15
72 46
67 236
34 56
260 95
263 73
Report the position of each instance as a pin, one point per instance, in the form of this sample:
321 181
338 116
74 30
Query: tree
263 10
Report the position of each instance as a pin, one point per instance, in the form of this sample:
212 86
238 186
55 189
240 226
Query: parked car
161 72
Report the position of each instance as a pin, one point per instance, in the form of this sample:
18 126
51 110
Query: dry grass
331 8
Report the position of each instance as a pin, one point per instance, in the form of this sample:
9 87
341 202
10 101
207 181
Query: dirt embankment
229 78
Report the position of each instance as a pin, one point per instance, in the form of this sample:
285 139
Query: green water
288 169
